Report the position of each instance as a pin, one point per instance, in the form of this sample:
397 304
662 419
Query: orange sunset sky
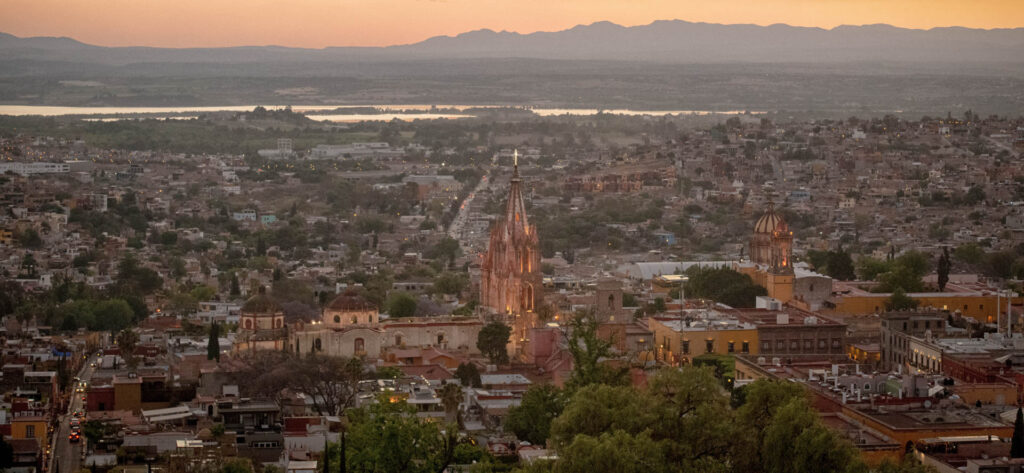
319 23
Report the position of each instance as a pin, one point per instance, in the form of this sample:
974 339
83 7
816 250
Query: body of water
388 112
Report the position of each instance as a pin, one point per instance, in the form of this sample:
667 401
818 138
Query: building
901 329
261 325
510 279
695 332
771 256
791 333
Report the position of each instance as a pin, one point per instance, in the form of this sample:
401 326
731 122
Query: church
771 256
510 273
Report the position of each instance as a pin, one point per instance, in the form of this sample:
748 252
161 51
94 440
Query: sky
321 23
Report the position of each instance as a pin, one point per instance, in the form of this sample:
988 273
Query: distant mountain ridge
665 41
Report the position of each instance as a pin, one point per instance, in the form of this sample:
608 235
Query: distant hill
672 41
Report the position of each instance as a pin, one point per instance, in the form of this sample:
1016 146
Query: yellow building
28 427
677 340
983 306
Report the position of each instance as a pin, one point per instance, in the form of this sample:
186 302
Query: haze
321 23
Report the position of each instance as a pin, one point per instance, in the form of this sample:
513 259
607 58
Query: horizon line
504 31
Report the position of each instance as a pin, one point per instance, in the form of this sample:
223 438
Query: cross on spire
515 163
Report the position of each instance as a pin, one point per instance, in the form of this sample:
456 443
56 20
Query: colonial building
510 279
349 328
261 325
771 256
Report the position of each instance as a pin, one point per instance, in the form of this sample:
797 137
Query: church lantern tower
510 274
771 249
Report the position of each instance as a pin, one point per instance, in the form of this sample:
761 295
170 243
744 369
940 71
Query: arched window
611 301
278 322
248 324
360 346
317 345
337 319
398 339
355 319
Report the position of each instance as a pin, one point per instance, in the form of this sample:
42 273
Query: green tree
614 451
213 345
723 285
795 441
840 265
451 397
942 268
761 400
588 350
468 375
531 419
493 342
388 437
899 300
401 304
236 290
450 283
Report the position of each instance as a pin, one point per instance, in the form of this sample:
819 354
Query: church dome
261 304
770 222
350 301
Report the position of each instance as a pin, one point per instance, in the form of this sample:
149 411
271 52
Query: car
92 365
83 398
74 437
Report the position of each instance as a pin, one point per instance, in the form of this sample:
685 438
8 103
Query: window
337 319
835 343
766 346
30 431
981 306
732 347
248 324
317 345
398 339
686 347
794 345
355 319
709 346
745 347
915 324
780 345
822 344
611 301
867 386
440 338
808 344
927 324
360 346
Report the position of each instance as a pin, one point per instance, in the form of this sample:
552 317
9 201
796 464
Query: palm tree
451 397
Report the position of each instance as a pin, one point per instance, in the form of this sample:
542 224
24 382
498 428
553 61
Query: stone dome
350 301
261 304
770 222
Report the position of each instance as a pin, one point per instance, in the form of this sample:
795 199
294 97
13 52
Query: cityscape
713 245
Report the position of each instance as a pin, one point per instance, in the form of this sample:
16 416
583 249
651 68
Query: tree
236 290
401 304
899 300
942 268
213 345
493 341
331 382
126 340
840 265
1017 441
795 441
6 454
588 350
450 283
451 397
531 419
468 375
388 437
723 285
617 451
761 400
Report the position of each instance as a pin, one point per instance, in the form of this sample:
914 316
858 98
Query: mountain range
670 41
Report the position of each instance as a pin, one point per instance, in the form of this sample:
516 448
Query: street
66 455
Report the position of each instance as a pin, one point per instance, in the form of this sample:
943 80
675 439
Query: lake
388 112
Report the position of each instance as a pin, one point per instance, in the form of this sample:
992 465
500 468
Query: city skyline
324 23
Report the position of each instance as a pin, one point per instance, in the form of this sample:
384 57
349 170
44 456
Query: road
66 455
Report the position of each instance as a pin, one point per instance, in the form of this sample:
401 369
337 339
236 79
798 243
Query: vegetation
493 342
723 285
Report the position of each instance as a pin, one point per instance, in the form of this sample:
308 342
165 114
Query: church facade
510 274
